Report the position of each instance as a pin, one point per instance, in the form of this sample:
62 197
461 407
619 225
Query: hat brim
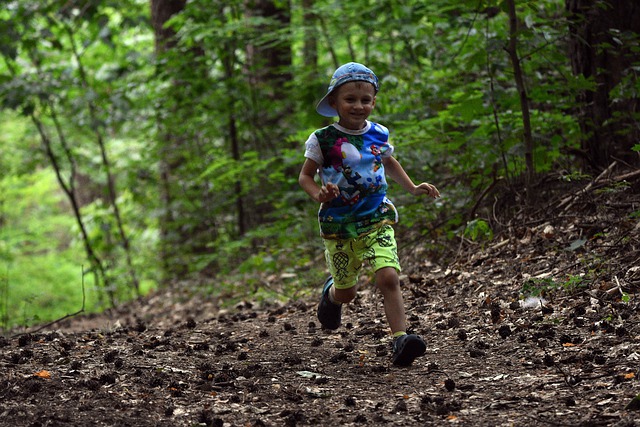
324 109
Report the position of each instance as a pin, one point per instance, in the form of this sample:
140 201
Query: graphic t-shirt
352 160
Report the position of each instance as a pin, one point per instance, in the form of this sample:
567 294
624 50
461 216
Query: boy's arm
396 172
306 179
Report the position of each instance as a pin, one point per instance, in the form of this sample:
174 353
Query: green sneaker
406 349
329 314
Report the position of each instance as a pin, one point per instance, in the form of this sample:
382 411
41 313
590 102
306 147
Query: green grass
41 260
40 288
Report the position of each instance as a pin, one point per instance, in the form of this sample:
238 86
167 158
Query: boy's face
354 102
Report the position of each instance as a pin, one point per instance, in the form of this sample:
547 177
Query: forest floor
539 326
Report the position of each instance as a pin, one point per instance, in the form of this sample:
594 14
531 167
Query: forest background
145 144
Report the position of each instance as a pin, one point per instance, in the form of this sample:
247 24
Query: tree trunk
270 64
270 76
512 49
310 49
603 40
161 12
169 148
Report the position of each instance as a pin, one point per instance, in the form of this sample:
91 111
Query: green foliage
478 230
40 261
615 187
43 287
537 287
69 72
203 141
545 286
574 283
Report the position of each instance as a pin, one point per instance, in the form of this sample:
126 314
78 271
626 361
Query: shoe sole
411 349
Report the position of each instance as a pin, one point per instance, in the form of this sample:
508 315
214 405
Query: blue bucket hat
346 73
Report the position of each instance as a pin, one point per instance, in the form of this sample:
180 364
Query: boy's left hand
426 188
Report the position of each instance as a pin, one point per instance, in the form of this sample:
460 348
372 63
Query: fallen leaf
43 374
604 402
312 375
317 392
629 376
576 244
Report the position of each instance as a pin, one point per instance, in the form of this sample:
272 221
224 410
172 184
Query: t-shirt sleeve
388 152
387 149
312 150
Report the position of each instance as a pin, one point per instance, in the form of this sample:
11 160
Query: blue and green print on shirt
353 161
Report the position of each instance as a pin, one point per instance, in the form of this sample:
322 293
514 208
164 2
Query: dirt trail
568 355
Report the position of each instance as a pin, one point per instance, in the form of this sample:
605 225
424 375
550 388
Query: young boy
352 157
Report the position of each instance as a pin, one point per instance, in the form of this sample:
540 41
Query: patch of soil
536 327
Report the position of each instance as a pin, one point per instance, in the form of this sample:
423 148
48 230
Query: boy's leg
382 254
329 311
389 284
344 264
406 348
344 296
340 288
330 306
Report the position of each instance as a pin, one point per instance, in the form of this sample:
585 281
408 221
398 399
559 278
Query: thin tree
512 50
67 183
106 163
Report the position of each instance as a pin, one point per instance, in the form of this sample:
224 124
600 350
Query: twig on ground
626 176
568 201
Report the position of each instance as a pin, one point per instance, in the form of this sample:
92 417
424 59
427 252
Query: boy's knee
387 279
345 295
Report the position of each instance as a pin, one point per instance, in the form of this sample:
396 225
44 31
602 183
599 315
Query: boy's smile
354 102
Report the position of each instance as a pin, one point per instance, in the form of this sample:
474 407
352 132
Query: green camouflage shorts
345 257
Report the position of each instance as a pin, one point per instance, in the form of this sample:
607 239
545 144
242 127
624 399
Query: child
352 157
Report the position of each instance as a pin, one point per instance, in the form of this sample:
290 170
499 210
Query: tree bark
310 49
270 64
169 147
603 40
161 12
269 74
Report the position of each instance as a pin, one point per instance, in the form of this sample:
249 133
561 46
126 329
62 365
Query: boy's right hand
328 192
426 188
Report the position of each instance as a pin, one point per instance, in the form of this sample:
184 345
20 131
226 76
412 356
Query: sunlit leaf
43 374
